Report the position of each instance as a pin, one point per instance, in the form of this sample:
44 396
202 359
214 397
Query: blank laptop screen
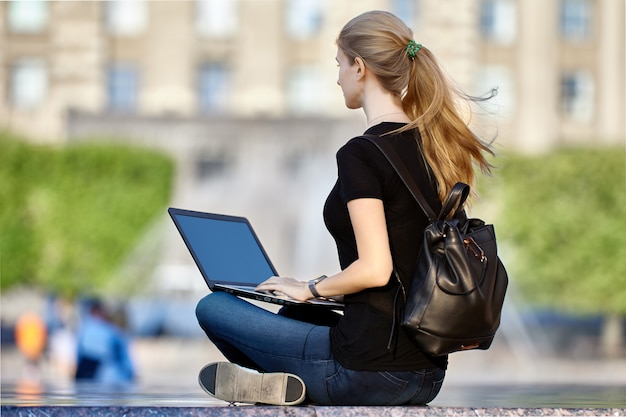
227 251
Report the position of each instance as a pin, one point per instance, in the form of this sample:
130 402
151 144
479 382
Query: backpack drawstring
395 314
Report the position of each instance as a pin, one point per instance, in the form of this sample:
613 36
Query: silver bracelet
313 283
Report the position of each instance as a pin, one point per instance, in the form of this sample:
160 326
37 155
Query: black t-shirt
360 339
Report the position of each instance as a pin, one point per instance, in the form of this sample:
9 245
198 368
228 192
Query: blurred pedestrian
102 348
30 338
60 322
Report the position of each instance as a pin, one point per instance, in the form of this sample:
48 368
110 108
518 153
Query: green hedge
564 219
69 215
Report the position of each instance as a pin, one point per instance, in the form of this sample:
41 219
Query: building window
405 10
126 17
498 22
209 163
28 16
123 87
214 86
575 19
304 18
577 96
28 83
217 18
305 90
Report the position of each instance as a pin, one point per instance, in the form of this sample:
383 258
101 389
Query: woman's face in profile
348 80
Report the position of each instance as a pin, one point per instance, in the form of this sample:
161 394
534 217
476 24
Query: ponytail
450 147
410 71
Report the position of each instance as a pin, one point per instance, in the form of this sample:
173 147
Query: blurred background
112 111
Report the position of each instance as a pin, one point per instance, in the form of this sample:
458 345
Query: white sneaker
235 384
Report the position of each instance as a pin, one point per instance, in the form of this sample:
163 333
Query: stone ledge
308 411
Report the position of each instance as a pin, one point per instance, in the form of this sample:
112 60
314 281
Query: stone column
611 116
538 83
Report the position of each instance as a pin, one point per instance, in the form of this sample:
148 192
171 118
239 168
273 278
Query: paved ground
495 382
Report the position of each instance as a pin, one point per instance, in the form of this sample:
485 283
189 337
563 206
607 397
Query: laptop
230 256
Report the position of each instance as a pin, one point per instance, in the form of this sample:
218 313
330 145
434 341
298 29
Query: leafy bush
565 216
70 214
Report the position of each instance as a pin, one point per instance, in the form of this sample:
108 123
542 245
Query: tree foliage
68 215
564 215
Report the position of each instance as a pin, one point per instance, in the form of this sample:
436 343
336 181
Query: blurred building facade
558 64
243 95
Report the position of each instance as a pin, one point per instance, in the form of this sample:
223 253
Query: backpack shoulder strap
396 162
455 200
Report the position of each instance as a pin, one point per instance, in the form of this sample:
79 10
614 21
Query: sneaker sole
234 384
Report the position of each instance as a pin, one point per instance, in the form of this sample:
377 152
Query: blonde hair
450 147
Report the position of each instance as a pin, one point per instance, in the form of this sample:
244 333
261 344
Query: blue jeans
259 339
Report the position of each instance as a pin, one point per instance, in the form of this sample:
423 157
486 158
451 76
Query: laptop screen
225 248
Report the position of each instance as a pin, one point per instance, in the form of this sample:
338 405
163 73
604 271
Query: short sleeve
357 176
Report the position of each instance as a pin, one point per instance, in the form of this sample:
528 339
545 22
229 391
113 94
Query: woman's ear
360 67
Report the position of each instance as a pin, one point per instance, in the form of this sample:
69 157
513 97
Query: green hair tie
412 49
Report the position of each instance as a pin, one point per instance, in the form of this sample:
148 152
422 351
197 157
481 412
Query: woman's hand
298 290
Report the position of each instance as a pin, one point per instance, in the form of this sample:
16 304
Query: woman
360 357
